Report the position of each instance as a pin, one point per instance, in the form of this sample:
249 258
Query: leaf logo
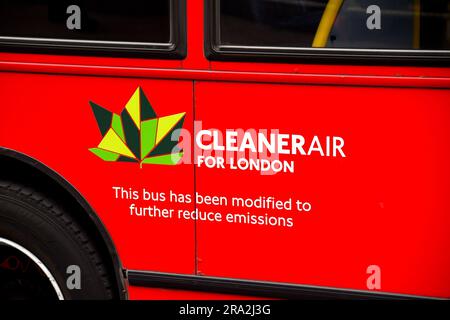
137 134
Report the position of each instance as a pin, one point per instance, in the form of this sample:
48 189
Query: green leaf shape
148 133
105 155
137 134
103 117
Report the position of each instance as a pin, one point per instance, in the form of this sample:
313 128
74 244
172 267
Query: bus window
401 24
269 22
291 26
90 24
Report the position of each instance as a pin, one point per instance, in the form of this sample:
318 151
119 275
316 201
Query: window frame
176 48
215 51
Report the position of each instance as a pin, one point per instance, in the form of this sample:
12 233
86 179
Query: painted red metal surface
385 204
50 119
140 293
233 76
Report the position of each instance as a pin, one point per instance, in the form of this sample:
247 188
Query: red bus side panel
49 118
385 204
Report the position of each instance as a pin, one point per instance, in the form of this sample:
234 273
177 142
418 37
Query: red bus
218 149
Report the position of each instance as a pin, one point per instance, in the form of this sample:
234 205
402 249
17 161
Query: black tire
52 234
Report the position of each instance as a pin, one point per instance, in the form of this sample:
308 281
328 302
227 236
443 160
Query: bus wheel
44 252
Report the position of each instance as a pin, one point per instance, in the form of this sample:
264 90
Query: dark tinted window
360 24
92 20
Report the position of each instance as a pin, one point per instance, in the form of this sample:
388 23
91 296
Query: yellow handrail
326 23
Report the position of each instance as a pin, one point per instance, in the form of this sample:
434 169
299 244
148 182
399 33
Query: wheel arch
18 166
